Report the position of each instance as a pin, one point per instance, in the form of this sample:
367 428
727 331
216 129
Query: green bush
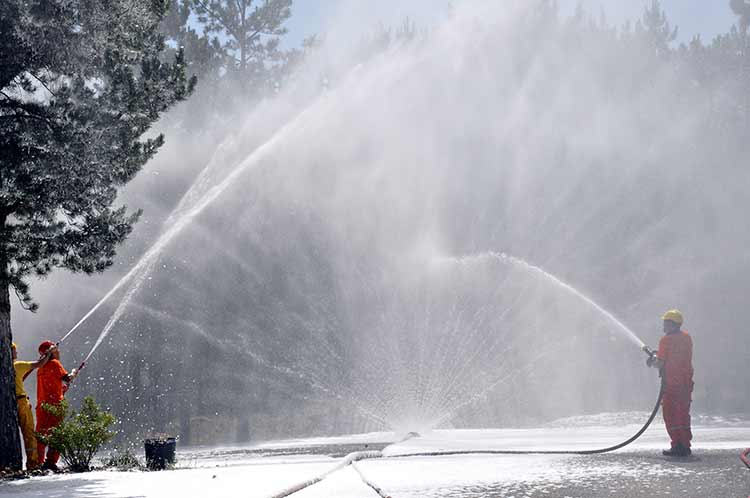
80 435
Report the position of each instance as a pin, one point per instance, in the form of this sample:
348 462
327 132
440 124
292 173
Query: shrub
122 459
80 435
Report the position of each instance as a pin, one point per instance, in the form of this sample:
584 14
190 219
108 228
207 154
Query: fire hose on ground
358 456
348 460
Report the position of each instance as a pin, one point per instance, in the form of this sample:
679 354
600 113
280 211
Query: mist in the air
344 280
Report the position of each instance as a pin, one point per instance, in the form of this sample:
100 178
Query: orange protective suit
676 350
49 389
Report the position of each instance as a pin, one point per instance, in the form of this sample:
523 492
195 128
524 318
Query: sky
311 17
705 17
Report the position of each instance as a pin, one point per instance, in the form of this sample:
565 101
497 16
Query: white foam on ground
441 476
232 472
566 438
256 480
345 483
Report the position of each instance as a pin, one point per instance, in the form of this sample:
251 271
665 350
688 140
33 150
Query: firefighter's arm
70 376
43 359
660 357
653 359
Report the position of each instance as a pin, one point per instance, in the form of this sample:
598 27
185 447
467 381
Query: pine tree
204 54
251 32
81 82
742 9
234 48
655 26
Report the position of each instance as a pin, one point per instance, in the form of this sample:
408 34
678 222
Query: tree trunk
10 442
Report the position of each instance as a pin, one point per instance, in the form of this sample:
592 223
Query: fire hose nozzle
653 360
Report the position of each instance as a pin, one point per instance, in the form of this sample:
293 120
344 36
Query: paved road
710 474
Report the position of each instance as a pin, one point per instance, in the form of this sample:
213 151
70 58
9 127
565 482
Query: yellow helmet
674 316
12 345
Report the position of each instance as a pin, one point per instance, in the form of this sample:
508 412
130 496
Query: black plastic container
160 452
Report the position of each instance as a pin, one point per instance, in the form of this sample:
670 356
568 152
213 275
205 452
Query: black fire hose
549 452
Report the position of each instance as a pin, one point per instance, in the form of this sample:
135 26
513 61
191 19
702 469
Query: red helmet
43 347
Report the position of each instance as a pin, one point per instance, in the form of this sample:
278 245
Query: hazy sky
707 17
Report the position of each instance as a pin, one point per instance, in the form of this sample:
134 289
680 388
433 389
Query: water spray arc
179 222
477 264
464 300
395 73
506 258
351 459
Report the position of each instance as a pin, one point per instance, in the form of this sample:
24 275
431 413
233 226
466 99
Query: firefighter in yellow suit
25 418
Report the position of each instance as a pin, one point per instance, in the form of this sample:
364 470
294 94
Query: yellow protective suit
26 421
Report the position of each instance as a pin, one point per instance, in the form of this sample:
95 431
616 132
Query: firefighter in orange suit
51 383
675 359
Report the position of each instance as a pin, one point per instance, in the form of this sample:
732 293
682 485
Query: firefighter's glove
651 361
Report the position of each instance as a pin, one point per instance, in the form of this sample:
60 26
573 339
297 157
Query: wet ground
712 474
264 470
330 450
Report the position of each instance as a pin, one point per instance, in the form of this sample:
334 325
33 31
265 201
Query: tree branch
21 290
216 17
26 109
42 83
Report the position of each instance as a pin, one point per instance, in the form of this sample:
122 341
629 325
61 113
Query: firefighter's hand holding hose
68 379
652 360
